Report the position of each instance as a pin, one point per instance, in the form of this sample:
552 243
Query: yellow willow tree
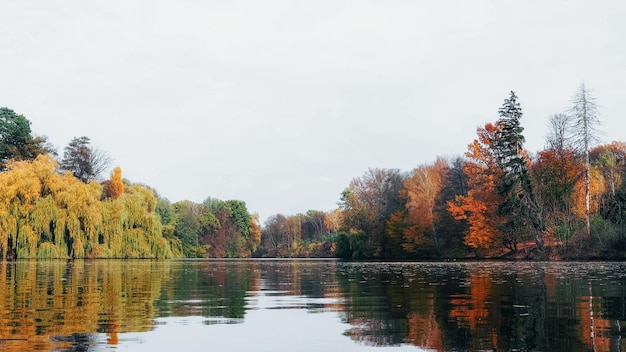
34 207
80 209
44 214
20 190
131 228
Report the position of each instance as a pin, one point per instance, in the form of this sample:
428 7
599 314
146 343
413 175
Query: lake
311 305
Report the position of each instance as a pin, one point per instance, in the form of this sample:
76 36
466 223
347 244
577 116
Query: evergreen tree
16 140
519 206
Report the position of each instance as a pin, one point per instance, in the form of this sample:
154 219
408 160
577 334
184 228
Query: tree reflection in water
487 306
60 305
80 305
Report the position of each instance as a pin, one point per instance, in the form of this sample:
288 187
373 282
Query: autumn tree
421 191
84 161
114 187
425 225
255 234
274 236
451 230
585 120
16 139
332 220
230 236
293 230
479 207
313 224
300 236
557 170
368 203
500 205
610 161
219 237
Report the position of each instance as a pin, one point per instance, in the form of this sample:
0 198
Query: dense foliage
215 228
44 214
567 201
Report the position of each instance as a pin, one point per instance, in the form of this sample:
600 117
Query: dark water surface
311 305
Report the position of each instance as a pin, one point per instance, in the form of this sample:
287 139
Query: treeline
566 201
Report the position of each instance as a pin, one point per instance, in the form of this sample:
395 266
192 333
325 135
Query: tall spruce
519 206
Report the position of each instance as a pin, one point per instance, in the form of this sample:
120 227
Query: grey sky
282 103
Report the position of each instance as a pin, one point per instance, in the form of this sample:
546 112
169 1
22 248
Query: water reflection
215 289
60 305
487 306
98 305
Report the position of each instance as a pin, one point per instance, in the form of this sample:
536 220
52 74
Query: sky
282 103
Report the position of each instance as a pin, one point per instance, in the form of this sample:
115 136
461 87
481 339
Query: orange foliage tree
562 187
114 187
255 234
480 206
597 188
557 173
421 191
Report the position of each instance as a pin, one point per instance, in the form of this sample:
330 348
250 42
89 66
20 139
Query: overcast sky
282 103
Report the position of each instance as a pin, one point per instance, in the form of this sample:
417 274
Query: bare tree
558 132
100 161
584 119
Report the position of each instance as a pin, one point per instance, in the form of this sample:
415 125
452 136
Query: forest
498 200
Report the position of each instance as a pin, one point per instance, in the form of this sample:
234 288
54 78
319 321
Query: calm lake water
311 305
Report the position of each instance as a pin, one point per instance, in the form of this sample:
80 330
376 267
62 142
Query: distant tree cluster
302 235
215 228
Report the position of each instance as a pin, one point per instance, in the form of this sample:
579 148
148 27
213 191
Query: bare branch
100 161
